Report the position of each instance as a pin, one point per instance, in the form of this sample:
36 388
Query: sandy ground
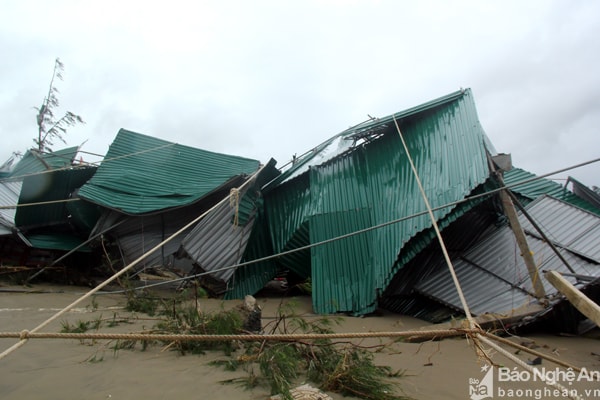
61 369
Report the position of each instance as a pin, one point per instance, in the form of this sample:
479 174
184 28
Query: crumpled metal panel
9 197
534 188
374 179
572 228
34 162
50 187
217 242
591 196
251 278
287 210
141 174
493 275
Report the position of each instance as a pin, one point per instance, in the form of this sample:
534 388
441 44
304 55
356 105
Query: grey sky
265 79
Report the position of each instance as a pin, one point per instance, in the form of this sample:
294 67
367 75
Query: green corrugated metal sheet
142 174
372 184
33 161
287 212
536 188
251 278
46 188
57 241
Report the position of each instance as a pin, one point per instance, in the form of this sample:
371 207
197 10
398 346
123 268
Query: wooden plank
579 300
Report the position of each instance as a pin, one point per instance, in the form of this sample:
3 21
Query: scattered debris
305 392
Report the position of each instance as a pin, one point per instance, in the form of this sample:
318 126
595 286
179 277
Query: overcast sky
264 79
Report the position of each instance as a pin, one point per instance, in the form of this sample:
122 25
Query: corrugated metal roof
34 161
349 138
571 228
589 195
142 174
372 183
53 223
494 277
534 188
48 187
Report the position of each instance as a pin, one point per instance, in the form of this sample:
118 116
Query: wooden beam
579 300
513 221
515 225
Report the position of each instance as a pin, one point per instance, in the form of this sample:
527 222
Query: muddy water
68 369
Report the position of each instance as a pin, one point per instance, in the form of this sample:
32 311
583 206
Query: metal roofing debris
33 161
153 188
494 277
219 240
590 195
368 184
39 177
45 193
534 188
142 174
9 198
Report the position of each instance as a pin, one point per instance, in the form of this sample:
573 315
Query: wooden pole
579 300
513 220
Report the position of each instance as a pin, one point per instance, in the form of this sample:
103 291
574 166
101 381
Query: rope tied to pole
234 202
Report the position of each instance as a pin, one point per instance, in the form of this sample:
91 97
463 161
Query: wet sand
68 369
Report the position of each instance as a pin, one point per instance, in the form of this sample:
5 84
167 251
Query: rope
23 335
526 366
70 167
234 202
476 336
40 203
121 272
420 334
461 295
531 351
488 193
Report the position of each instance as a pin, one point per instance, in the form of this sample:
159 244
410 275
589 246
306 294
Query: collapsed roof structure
361 178
348 215
39 210
149 189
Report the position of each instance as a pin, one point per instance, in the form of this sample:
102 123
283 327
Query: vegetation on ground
341 367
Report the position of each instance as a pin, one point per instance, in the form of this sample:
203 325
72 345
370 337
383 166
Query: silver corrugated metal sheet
9 197
570 227
217 242
493 275
136 235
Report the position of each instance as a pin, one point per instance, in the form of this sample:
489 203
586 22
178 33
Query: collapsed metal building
40 213
149 189
360 181
348 216
361 178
